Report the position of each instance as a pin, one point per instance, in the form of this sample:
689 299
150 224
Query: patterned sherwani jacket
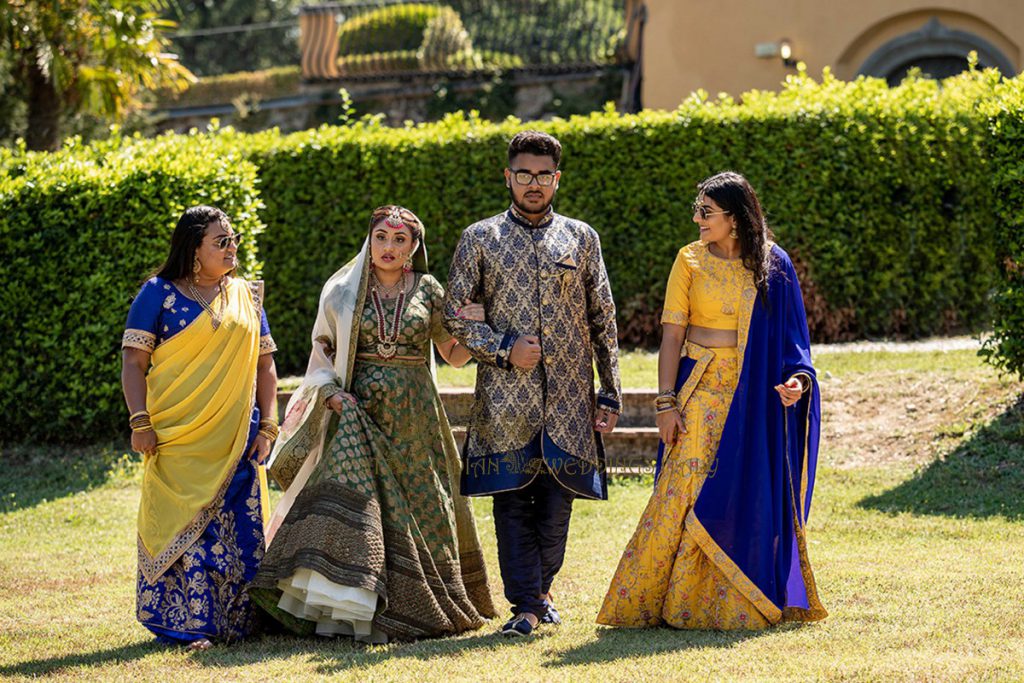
548 281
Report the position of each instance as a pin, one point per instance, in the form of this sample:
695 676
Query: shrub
395 27
80 231
1005 347
881 195
444 37
398 60
264 85
887 199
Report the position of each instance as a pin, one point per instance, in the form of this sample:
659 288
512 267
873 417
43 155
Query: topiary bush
80 231
378 62
395 27
443 39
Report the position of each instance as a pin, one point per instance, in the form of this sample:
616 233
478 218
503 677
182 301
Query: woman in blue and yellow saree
198 375
372 539
722 543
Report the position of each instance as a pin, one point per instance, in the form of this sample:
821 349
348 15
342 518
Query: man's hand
525 352
605 421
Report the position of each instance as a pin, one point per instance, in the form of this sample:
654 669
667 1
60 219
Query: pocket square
567 261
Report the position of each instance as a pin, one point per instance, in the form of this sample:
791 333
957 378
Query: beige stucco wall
692 44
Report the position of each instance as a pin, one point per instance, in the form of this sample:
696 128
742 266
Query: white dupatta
304 429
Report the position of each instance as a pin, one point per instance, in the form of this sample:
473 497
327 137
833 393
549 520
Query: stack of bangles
665 401
269 429
140 421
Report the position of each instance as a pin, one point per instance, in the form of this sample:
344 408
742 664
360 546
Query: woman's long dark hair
187 236
733 193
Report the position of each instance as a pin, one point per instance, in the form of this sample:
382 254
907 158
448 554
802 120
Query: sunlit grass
917 563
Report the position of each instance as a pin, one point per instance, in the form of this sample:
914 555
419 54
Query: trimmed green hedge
882 196
79 234
891 201
1005 348
280 81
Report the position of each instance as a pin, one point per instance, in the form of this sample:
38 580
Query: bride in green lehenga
371 538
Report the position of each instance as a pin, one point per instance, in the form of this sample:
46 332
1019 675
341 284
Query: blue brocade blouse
161 310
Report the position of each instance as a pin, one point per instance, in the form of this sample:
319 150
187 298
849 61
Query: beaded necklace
387 343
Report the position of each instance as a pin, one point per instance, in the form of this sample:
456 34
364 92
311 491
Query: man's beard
527 210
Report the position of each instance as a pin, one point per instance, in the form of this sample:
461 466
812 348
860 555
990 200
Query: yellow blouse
705 290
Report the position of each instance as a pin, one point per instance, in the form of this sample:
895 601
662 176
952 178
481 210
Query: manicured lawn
916 536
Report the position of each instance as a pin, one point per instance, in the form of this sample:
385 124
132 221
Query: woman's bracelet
269 429
140 421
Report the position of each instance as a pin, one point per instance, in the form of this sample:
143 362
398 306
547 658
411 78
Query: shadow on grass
336 655
114 655
982 477
613 644
30 475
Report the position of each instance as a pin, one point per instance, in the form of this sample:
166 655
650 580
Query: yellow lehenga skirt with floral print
664 577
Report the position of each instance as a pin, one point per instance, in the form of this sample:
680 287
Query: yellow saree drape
201 390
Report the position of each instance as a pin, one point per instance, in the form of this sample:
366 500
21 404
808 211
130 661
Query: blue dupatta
750 515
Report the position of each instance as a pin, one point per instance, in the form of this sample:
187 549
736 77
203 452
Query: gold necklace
388 292
215 318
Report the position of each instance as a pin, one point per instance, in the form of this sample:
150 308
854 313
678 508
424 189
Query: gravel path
933 344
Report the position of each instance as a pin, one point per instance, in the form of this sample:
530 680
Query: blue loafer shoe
552 616
517 626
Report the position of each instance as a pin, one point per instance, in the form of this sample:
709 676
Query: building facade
738 45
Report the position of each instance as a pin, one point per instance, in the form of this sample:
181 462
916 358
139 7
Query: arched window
937 50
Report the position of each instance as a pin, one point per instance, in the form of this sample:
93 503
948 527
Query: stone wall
526 94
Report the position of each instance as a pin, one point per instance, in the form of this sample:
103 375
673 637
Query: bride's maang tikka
394 218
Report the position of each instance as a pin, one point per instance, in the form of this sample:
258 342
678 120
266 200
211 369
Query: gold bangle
135 415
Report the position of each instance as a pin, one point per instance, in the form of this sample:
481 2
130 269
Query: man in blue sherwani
534 441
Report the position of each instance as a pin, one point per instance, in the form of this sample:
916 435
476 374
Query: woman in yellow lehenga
198 374
722 541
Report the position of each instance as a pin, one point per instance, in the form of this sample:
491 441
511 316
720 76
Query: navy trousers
532 526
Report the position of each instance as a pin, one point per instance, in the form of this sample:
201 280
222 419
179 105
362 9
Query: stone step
629 450
633 449
637 406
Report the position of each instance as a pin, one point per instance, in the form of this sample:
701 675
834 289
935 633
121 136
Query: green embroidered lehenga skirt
379 544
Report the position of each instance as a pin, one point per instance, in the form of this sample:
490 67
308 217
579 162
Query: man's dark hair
535 142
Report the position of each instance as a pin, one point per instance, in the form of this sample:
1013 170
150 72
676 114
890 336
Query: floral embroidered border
138 339
675 318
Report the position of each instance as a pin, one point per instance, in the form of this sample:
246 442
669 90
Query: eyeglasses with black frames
544 178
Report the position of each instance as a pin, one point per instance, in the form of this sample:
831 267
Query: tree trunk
43 132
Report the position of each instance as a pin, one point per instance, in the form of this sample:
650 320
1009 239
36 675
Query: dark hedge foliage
903 209
882 196
1005 348
79 235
